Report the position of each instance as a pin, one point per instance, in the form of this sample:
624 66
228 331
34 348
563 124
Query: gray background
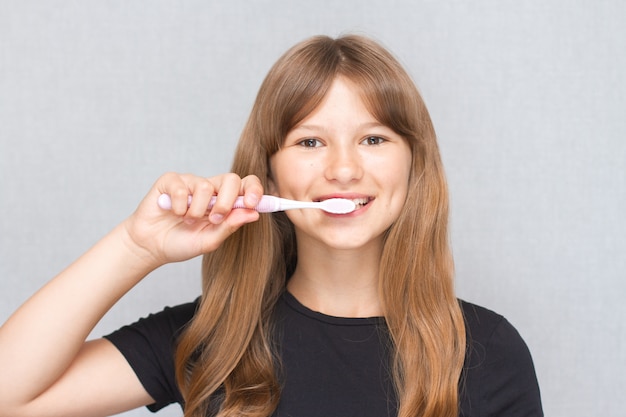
98 98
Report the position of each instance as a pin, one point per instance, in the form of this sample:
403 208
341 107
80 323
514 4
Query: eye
310 143
373 140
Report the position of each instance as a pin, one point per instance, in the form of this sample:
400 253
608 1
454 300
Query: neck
341 283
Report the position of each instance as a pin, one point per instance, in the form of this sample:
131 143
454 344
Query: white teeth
360 201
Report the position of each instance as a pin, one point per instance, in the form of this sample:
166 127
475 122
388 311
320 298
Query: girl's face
341 151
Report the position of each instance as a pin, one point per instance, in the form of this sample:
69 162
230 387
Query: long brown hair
225 359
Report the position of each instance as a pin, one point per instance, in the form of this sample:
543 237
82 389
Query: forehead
343 102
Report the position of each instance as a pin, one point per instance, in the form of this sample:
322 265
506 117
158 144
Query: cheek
272 188
285 176
275 182
290 169
407 167
397 171
399 181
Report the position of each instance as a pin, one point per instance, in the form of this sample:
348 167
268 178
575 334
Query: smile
359 202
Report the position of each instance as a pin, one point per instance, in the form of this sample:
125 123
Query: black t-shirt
334 366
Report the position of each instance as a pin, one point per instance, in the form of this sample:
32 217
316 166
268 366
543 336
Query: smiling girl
302 313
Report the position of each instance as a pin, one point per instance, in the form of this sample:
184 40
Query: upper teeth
360 201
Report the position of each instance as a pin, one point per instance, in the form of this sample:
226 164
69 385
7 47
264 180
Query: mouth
359 202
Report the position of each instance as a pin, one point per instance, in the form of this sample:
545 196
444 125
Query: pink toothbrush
270 204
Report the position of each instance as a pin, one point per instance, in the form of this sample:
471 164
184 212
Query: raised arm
47 369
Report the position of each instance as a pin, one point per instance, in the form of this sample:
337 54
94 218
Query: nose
344 164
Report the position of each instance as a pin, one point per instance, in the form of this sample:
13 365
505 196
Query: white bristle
338 206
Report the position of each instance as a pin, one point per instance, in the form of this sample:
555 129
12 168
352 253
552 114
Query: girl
302 313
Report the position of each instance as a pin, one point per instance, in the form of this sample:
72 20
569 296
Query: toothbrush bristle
339 206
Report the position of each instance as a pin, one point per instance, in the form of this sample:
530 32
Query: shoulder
149 347
490 336
498 373
167 323
479 317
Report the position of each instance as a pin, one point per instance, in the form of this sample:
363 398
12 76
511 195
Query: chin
344 243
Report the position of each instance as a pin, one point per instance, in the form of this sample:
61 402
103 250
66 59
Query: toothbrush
270 204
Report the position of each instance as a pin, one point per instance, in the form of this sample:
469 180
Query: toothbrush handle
267 204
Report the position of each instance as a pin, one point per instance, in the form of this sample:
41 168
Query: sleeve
149 346
500 379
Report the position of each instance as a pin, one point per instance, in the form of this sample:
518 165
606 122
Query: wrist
137 257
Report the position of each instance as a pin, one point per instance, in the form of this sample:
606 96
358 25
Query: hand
162 236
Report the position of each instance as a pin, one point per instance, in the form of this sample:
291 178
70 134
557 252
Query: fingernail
216 218
253 199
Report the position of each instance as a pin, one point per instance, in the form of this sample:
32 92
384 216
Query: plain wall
98 98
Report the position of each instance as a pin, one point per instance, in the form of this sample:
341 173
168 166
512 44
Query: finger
202 190
227 188
176 187
252 190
